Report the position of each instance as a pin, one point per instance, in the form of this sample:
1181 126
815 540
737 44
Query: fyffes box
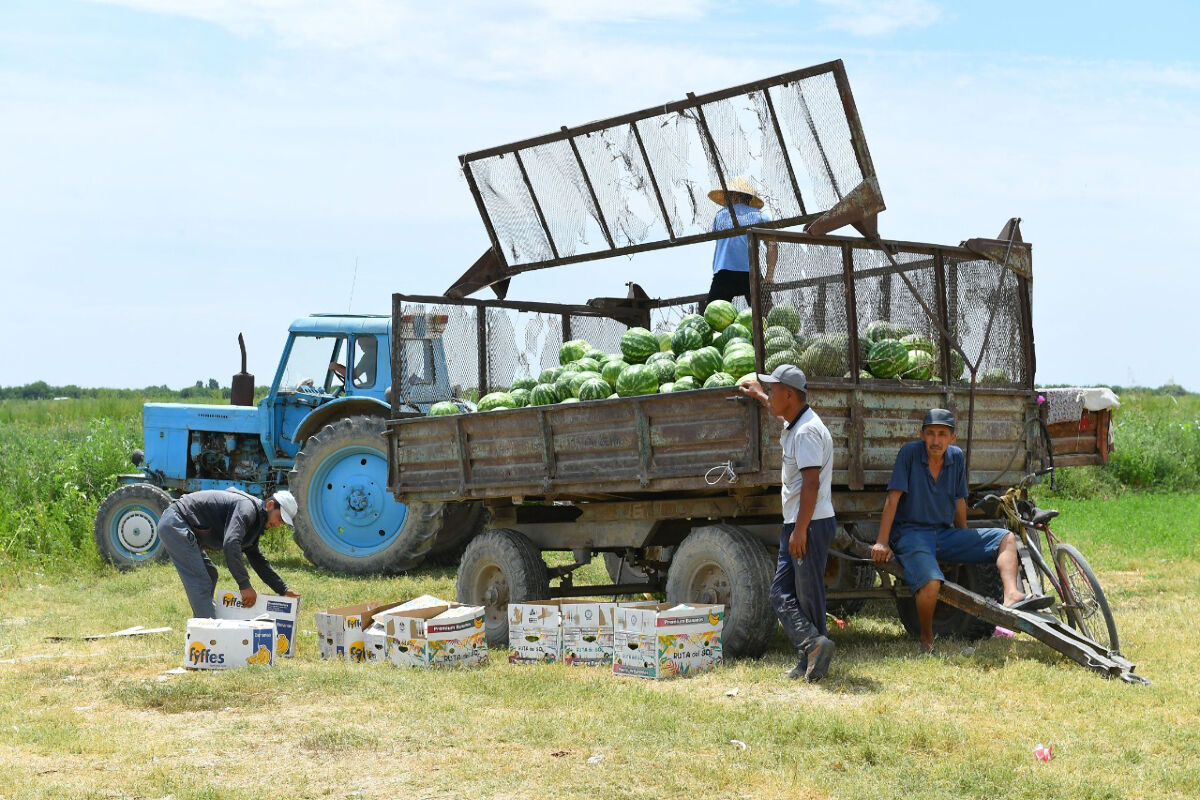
667 640
535 632
451 635
340 630
283 610
228 643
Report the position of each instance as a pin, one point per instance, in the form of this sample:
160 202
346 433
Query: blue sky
173 172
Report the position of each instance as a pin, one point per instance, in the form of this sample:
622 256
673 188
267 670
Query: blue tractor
319 433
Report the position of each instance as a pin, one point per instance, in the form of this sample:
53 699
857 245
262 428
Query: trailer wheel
347 521
126 527
948 621
845 575
500 567
461 522
724 564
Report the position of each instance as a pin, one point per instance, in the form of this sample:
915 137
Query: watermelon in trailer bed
887 357
494 400
785 316
520 397
664 365
596 354
572 350
920 366
524 382
705 362
718 379
549 375
738 360
664 341
699 324
443 409
594 389
638 379
686 340
881 329
609 370
732 331
544 394
745 318
685 384
638 344
720 314
683 364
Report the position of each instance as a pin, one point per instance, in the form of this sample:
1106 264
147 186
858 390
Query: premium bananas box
667 640
535 632
340 630
451 635
375 635
283 610
228 643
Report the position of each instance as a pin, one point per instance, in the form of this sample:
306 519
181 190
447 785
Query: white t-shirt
807 444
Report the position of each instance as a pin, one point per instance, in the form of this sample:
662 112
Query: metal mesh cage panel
979 293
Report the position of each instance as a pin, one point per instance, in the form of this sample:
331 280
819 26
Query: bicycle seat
1043 516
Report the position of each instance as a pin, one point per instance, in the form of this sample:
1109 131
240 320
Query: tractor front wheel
126 528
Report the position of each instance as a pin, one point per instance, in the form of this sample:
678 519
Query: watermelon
735 342
572 350
685 384
994 375
732 331
745 318
524 382
520 397
718 379
611 369
776 361
443 409
683 364
685 340
569 400
738 361
543 394
587 365
747 378
784 315
665 388
915 341
661 357
494 400
562 386
638 379
705 362
571 366
665 367
957 365
777 331
920 366
882 329
598 355
578 379
824 359
549 375
594 389
664 341
720 314
887 357
638 344
698 322
778 344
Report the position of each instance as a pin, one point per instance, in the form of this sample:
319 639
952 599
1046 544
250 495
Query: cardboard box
587 632
283 610
451 635
340 630
375 636
535 632
228 643
667 640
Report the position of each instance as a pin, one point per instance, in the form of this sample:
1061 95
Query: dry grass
99 719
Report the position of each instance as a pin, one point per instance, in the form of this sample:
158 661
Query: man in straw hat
798 590
731 260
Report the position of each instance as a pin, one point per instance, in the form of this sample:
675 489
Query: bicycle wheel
1086 607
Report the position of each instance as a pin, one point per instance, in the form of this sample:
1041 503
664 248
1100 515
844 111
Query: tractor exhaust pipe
242 389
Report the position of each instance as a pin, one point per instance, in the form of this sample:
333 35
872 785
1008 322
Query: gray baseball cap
788 375
938 416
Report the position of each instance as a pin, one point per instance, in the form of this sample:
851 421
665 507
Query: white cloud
879 17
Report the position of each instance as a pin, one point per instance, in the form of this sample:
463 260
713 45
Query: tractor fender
339 409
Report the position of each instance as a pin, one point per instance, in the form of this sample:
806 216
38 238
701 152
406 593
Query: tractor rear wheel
461 522
347 521
126 528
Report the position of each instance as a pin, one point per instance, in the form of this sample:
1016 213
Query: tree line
201 390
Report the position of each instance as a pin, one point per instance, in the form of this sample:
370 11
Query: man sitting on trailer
731 258
798 591
925 518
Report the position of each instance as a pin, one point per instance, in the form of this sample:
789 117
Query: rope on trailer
726 474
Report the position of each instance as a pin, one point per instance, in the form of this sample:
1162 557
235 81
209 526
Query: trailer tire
461 522
948 621
347 521
724 564
499 567
126 527
847 575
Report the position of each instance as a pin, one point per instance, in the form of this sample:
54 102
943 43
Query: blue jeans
798 591
918 550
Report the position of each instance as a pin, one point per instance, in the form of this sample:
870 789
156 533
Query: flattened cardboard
283 610
228 644
667 640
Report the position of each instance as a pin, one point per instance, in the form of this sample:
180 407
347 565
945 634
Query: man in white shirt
809 525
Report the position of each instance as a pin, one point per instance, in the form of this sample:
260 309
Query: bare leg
1006 564
926 598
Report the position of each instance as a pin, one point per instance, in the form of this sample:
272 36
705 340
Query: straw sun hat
738 184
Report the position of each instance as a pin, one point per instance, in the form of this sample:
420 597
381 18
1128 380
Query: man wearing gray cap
798 591
925 519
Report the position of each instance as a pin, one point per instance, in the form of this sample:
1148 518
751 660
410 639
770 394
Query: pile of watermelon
714 350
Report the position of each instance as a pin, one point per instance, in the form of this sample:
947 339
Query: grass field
101 719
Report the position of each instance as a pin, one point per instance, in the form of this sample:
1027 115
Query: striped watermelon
915 341
887 357
594 389
778 345
597 354
524 382
718 379
683 364
578 379
732 331
664 365
685 340
920 366
736 341
666 388
824 358
664 341
784 315
609 370
587 365
638 379
443 409
719 314
700 324
745 318
494 400
520 397
777 332
994 375
738 361
638 344
881 329
572 350
544 394
549 375
705 362
562 386
685 384
568 400
777 360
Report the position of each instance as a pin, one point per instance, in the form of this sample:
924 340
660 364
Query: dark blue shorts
919 549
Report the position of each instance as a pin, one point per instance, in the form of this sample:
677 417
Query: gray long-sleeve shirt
231 521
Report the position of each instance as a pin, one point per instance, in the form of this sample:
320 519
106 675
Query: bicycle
1081 601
